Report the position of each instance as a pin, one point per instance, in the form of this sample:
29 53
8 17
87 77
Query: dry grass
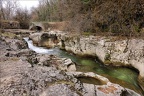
8 34
58 25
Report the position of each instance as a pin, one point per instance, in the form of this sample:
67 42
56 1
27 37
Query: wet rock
141 82
129 92
126 52
107 89
104 80
44 39
35 37
118 52
18 78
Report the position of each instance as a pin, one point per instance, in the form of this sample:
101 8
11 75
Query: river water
121 75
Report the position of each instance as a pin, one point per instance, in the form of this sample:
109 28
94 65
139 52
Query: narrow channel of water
124 76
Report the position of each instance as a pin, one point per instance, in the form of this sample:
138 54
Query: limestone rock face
35 37
46 60
106 89
15 44
44 39
126 52
26 73
119 52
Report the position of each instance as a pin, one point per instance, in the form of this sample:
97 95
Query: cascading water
37 49
123 76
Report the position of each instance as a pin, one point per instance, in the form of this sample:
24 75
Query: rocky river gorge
28 70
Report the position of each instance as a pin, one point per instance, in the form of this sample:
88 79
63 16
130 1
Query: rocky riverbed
110 50
24 72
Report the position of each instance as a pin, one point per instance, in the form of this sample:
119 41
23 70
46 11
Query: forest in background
117 17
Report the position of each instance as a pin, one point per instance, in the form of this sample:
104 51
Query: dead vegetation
117 17
106 17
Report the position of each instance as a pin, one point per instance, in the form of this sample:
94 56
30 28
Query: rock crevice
124 52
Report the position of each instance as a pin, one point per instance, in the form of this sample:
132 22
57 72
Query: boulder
35 37
44 39
67 65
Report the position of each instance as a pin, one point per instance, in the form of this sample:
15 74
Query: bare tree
120 17
8 8
1 10
23 17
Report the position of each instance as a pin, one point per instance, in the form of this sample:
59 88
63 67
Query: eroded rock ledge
26 73
124 52
110 50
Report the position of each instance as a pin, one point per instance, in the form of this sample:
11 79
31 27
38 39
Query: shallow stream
126 77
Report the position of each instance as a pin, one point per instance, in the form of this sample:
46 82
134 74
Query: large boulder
44 39
35 37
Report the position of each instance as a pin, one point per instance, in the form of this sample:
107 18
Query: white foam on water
37 49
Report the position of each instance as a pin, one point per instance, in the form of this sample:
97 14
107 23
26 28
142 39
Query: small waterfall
37 49
120 75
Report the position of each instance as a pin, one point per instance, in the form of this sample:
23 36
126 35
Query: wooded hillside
116 16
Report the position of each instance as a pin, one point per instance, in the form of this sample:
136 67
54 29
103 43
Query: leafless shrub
23 17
